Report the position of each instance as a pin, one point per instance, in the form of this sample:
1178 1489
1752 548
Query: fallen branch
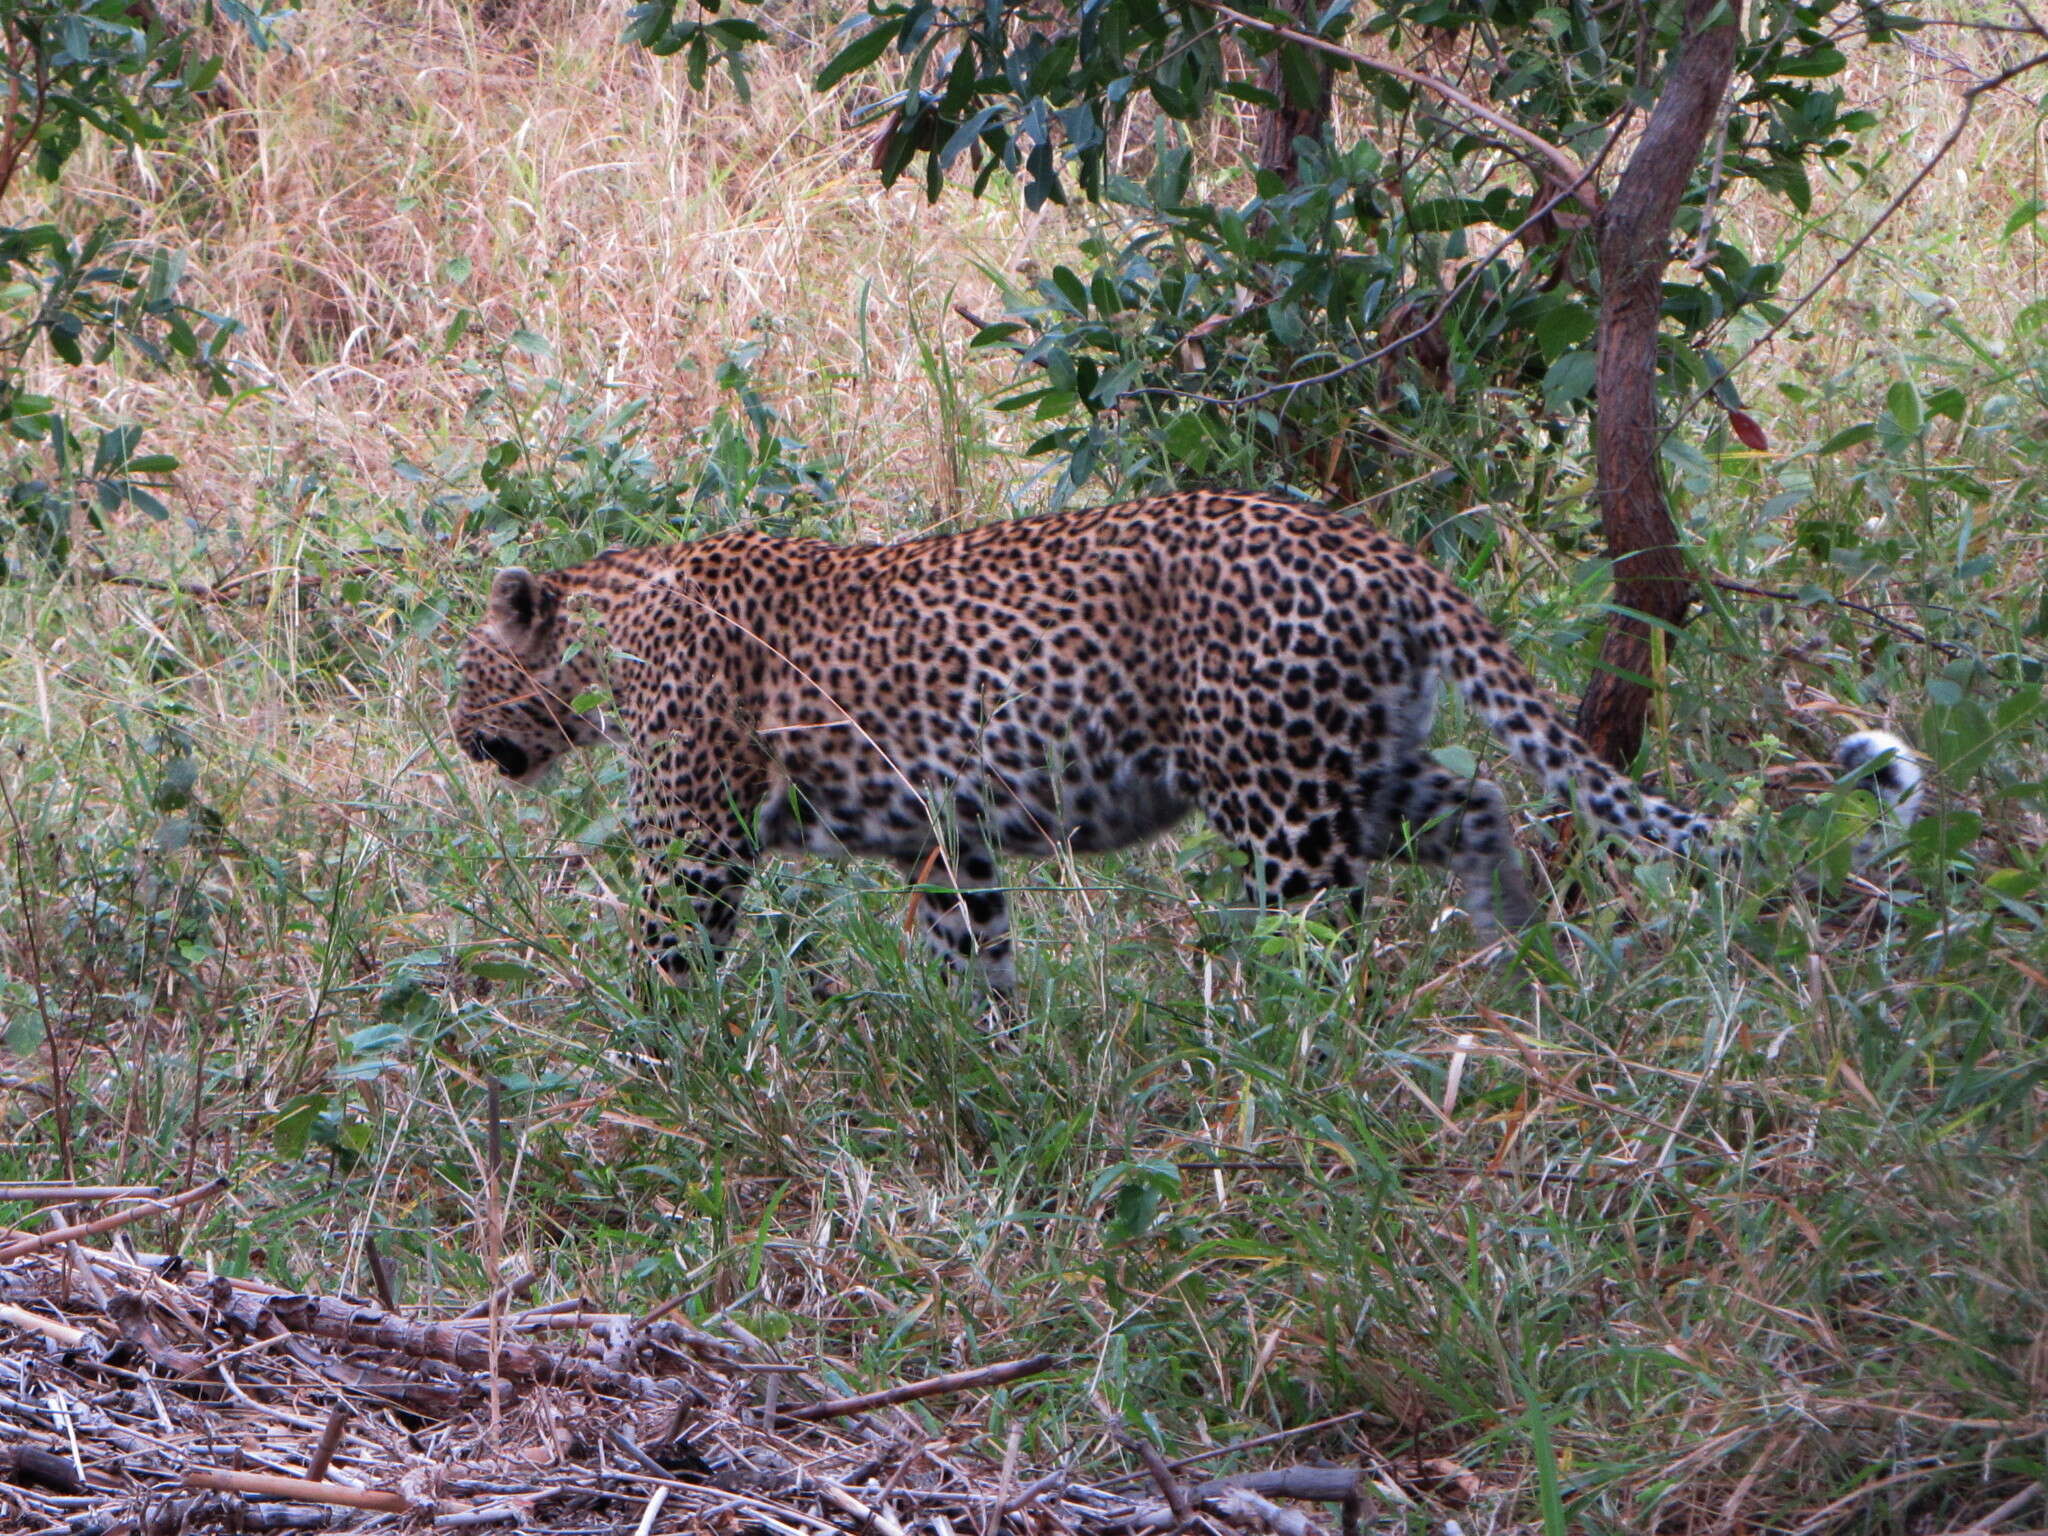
1244 1506
957 1381
162 1207
129 1312
1162 1476
1321 1485
35 1322
33 1467
1242 1499
497 1300
325 1317
44 1192
265 1485
847 1504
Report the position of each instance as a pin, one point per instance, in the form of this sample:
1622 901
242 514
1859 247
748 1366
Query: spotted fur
1081 679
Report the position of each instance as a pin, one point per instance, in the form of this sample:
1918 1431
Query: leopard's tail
1881 763
1517 709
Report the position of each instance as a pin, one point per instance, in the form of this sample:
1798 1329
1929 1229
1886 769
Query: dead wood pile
141 1396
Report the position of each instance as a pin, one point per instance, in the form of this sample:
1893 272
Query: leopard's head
521 669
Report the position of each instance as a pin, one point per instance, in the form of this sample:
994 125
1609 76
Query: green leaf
1439 214
858 54
1570 378
1848 437
1563 327
2023 215
502 970
293 1127
24 1034
1815 65
1936 842
646 22
1948 402
116 448
1959 737
1902 402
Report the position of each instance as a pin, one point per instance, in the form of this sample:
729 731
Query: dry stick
379 1499
1244 1445
469 1519
34 1322
1006 1483
38 1193
1903 630
44 1240
1031 1492
330 1441
1162 1475
510 1291
652 1513
326 1318
656 1315
1155 1464
60 1086
957 1381
380 1275
2004 1512
1324 1485
1561 162
494 1225
1241 1506
846 1503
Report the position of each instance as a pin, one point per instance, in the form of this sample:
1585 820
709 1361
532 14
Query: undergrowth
1719 1209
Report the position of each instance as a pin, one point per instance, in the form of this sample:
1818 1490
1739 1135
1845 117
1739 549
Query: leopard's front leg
693 846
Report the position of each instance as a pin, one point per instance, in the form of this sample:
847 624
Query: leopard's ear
520 607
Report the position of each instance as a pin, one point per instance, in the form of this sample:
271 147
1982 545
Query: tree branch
1561 163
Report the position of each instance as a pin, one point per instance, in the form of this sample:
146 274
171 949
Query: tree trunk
1651 573
1280 126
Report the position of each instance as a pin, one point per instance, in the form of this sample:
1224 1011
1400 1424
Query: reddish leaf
1747 432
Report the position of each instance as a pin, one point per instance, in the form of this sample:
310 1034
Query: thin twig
380 1275
1559 161
31 932
40 1193
1897 627
846 1503
956 1381
1245 1445
1884 217
42 1240
511 1291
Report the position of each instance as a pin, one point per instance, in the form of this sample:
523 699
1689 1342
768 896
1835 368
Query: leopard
1080 680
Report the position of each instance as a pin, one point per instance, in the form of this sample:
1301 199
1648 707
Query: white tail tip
1893 773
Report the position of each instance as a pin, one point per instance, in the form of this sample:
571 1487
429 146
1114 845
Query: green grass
1723 1211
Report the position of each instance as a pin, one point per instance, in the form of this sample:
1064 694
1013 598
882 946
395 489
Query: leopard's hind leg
963 914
